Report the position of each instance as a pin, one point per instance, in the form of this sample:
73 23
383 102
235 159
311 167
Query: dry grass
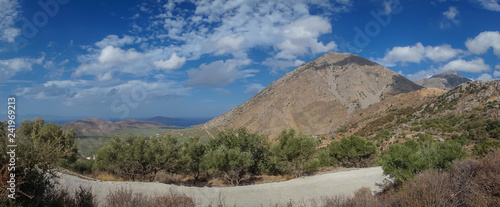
126 198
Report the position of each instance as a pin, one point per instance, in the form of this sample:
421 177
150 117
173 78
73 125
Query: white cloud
474 66
485 77
254 88
497 66
115 41
277 64
219 73
491 5
81 92
234 27
8 16
496 74
451 16
301 37
9 68
228 44
418 53
173 63
65 83
115 56
111 59
52 89
482 42
103 63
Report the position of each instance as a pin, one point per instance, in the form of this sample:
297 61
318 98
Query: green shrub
293 154
403 161
353 151
237 153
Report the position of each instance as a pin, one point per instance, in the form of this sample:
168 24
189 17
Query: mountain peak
316 97
446 81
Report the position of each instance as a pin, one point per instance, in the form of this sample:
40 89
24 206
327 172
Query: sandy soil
300 189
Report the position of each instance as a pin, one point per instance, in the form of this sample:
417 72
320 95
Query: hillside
469 113
317 97
445 81
96 125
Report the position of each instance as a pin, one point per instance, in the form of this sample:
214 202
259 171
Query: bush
82 166
236 154
405 161
126 198
353 151
192 154
293 154
138 158
40 147
467 183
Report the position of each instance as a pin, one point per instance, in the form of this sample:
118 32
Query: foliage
139 156
485 146
237 153
353 151
39 147
467 183
294 153
403 161
192 154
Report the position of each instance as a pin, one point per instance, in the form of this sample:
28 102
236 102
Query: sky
116 59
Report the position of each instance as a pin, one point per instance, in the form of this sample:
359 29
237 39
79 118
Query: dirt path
300 189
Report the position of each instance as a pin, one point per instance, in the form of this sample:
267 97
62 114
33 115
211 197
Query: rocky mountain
445 81
317 97
96 125
468 113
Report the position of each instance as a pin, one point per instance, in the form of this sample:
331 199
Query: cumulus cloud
234 27
173 63
115 41
228 44
450 17
418 53
52 89
8 16
496 74
485 77
301 37
491 5
473 66
482 42
254 88
112 56
82 92
219 73
9 67
106 62
111 59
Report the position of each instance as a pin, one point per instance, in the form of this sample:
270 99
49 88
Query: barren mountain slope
317 97
445 81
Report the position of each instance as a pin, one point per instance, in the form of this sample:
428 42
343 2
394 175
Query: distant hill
318 97
180 122
445 81
96 125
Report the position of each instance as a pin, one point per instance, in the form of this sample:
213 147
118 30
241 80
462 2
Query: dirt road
300 189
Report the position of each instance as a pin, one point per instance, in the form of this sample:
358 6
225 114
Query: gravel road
300 189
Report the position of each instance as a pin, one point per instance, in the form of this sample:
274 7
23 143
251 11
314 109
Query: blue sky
129 59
